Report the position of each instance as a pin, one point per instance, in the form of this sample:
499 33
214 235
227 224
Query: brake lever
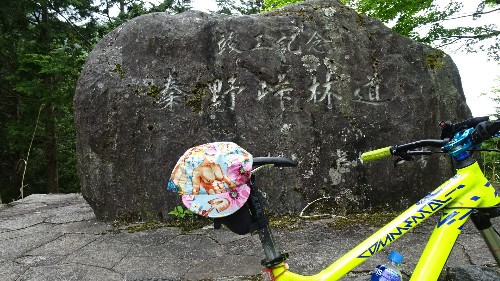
402 159
408 156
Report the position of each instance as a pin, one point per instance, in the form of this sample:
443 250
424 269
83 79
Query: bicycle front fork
482 220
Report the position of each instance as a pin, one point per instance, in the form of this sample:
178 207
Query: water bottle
389 271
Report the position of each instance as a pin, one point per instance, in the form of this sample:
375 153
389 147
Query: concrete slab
58 238
153 268
70 271
11 249
64 245
10 271
100 253
22 221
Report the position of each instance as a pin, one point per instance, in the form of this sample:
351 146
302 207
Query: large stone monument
315 82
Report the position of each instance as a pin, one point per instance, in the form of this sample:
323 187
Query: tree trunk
50 123
51 151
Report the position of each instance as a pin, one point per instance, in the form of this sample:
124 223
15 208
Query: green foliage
244 7
44 46
496 96
43 55
143 226
153 92
410 18
424 21
172 6
274 4
434 60
179 212
118 69
491 160
373 219
291 222
187 220
134 8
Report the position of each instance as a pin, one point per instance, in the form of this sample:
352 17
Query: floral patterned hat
212 178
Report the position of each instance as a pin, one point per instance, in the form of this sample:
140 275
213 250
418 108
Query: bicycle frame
457 197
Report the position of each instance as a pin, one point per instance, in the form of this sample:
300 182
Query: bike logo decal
430 205
429 197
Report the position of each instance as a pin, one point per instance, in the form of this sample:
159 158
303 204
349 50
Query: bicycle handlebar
275 161
401 150
448 129
484 131
454 134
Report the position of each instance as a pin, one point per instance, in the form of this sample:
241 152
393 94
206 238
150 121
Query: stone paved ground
56 237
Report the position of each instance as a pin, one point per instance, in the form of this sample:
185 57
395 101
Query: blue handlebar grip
376 154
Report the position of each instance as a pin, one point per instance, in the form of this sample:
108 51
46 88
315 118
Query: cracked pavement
56 237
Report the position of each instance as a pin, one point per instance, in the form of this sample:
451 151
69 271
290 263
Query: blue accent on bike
475 198
465 215
449 193
448 219
461 144
462 156
488 184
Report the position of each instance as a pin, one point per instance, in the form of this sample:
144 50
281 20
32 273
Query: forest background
45 43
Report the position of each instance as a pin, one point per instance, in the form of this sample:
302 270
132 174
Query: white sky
204 5
479 76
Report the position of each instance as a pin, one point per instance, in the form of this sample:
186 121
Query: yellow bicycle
467 194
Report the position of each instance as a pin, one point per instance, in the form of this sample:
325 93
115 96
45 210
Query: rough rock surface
315 82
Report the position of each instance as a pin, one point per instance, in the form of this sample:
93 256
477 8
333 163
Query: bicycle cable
261 167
